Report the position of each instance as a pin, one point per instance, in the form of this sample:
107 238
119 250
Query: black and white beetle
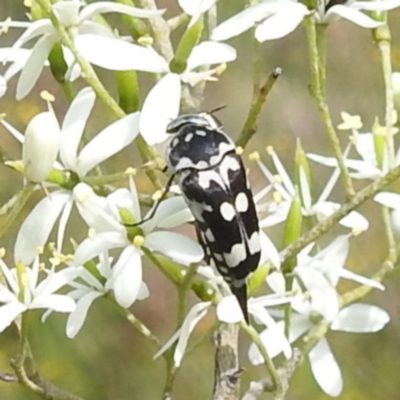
214 184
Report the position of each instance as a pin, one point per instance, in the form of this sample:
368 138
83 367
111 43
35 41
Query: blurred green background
109 359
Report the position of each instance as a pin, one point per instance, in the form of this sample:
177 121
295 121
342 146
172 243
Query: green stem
18 203
255 337
137 27
383 39
317 90
259 97
137 324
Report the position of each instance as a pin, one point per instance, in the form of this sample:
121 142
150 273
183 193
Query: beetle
214 184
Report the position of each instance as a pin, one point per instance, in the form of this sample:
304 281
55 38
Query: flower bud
41 145
189 39
303 176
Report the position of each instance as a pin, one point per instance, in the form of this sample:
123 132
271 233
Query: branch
328 223
256 388
259 97
27 374
227 370
317 70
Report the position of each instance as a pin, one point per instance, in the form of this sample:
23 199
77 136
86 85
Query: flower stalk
318 76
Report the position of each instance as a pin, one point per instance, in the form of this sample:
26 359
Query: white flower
328 11
228 311
366 145
163 99
41 145
277 209
37 226
18 58
124 279
319 276
93 40
195 7
275 19
34 294
330 263
102 215
196 313
391 200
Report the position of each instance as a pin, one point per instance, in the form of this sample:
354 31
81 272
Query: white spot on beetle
242 202
209 235
200 132
239 283
223 270
205 178
227 211
218 257
254 243
236 255
228 164
188 137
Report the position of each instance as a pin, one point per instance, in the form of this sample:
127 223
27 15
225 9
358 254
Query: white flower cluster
51 147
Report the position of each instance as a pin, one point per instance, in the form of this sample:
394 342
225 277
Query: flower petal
209 53
269 251
354 16
95 210
108 142
229 311
62 224
241 22
103 7
67 12
3 86
55 302
56 280
355 220
170 213
92 247
163 100
9 312
34 65
77 317
325 369
346 274
274 341
37 226
197 312
74 123
178 247
360 318
35 29
195 7
384 5
127 277
118 55
388 199
41 146
285 21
